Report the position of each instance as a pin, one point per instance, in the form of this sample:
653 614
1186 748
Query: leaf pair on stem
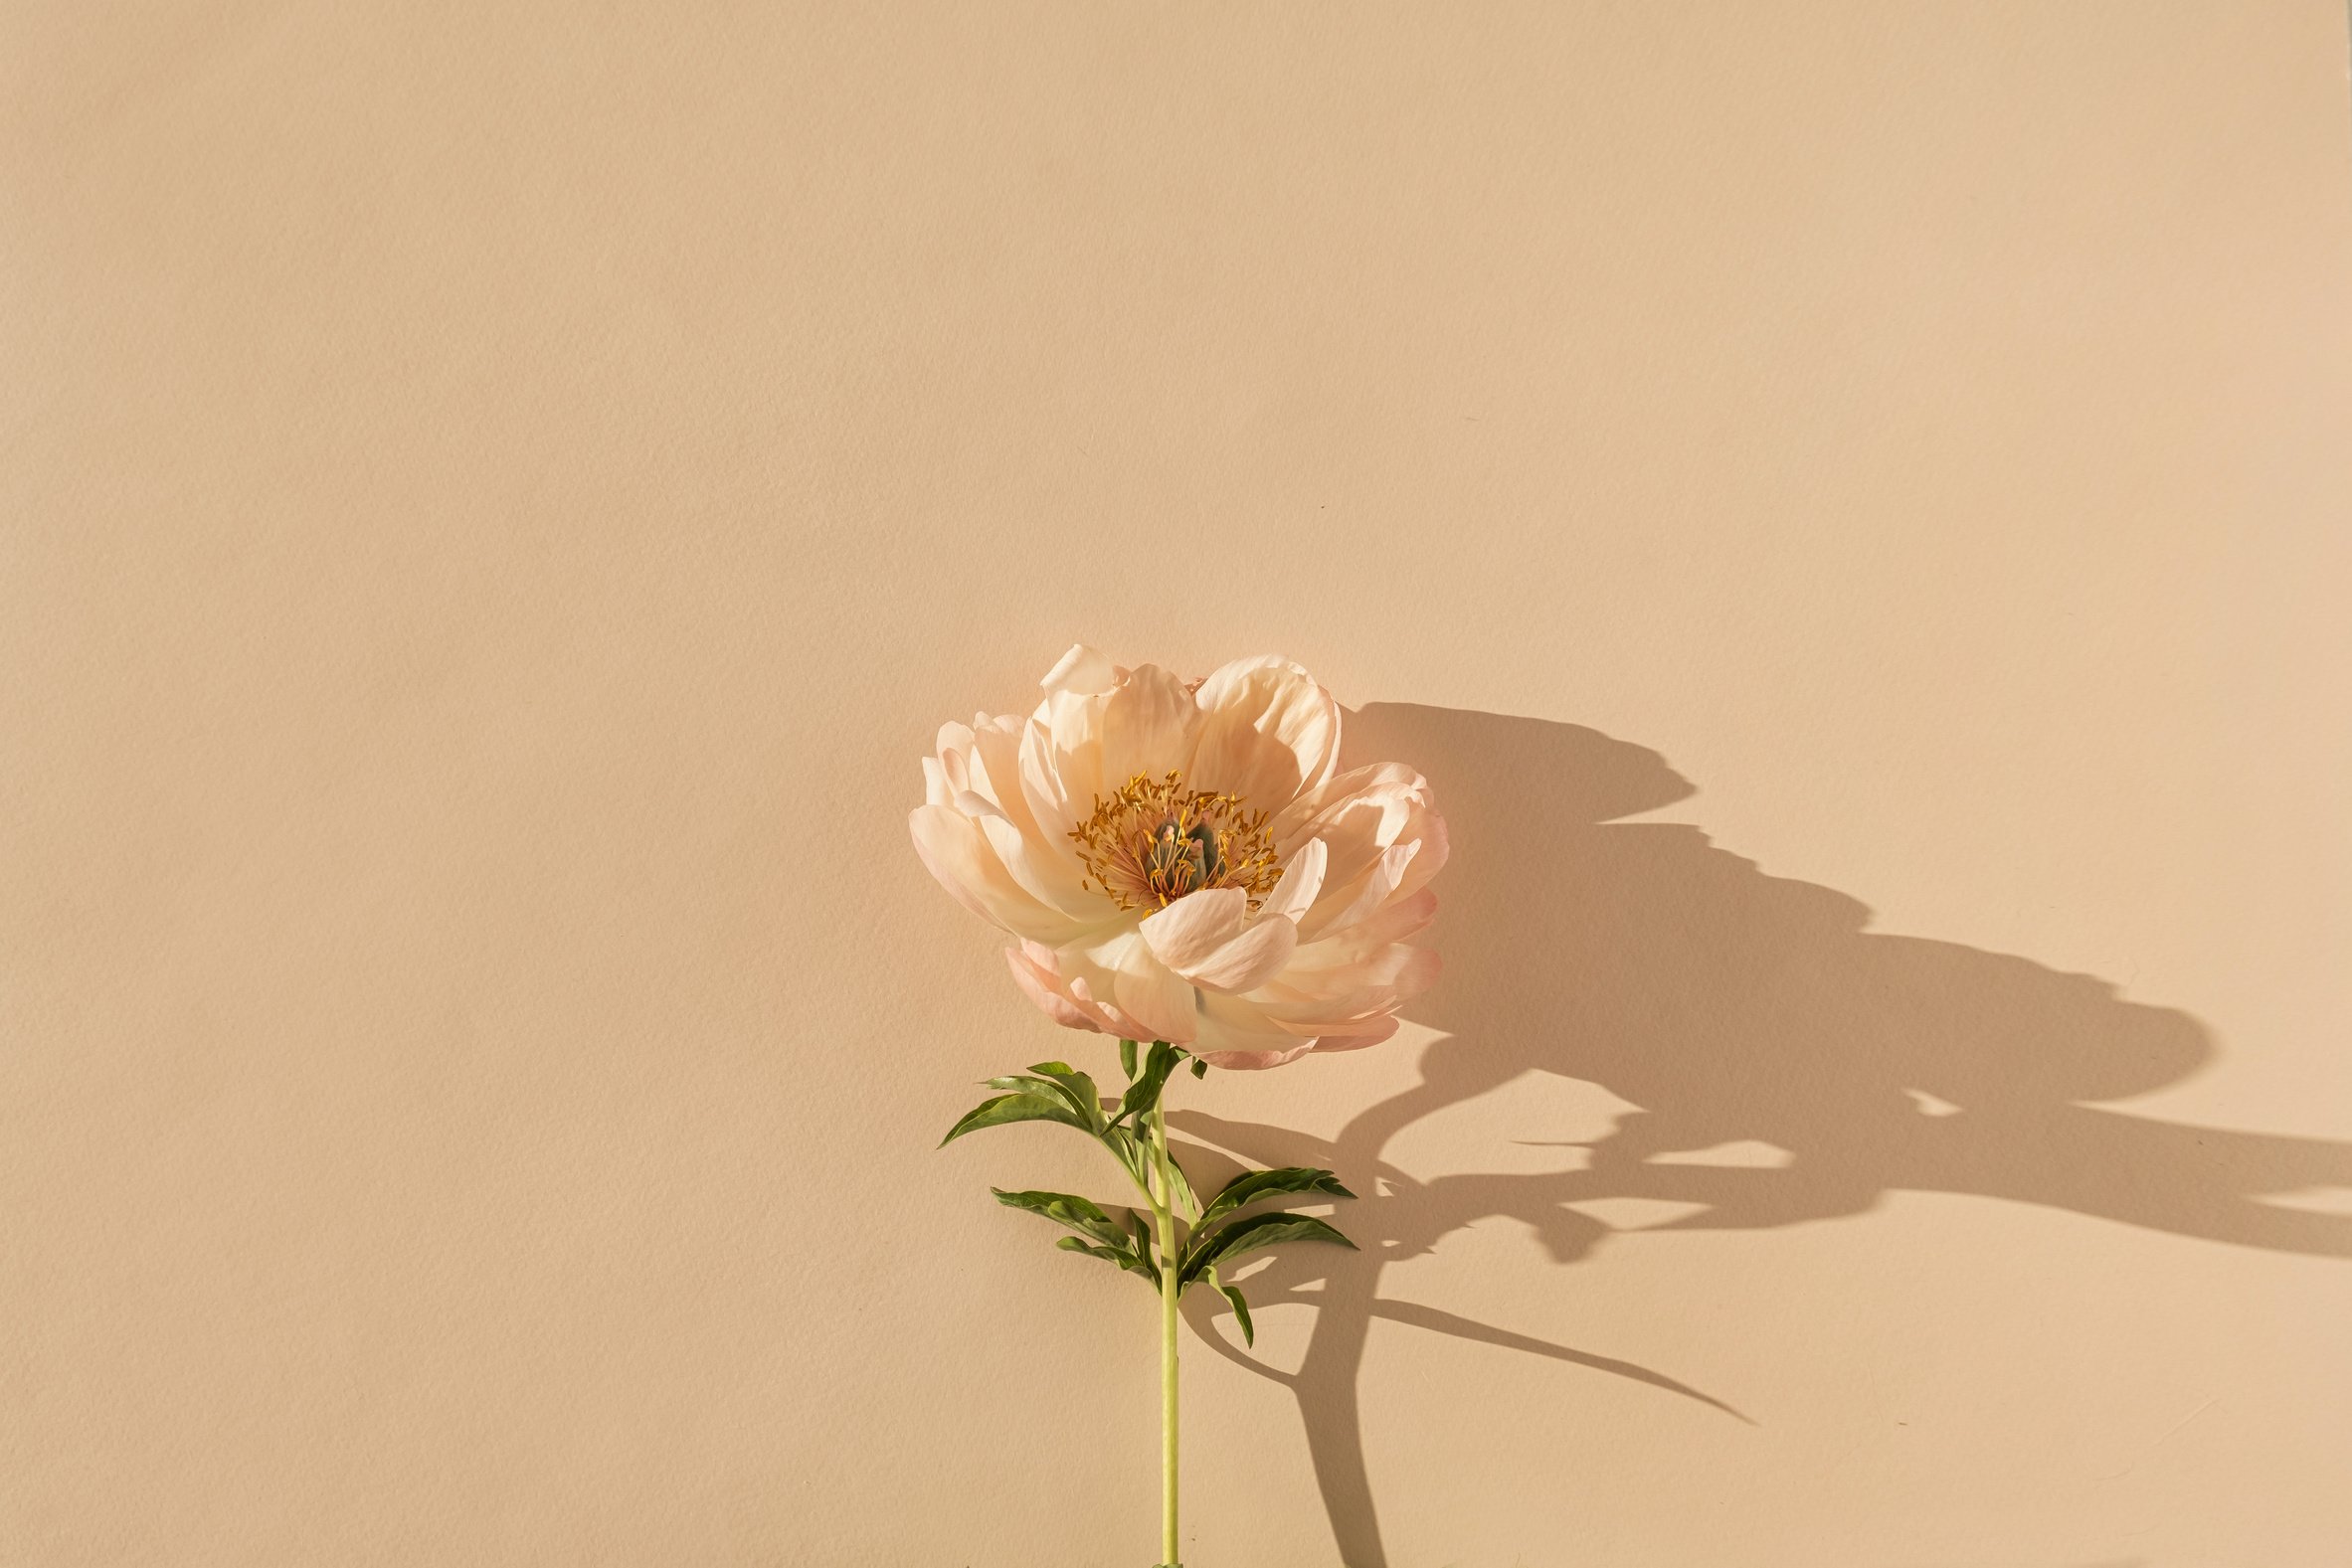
1217 1233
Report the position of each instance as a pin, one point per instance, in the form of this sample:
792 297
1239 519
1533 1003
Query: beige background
1847 503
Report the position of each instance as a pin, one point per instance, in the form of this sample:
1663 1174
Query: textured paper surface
1847 503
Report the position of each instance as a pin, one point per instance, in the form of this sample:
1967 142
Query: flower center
1154 841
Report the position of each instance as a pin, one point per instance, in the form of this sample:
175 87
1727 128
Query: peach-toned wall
1848 502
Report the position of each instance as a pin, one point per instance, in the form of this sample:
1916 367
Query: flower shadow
1731 1007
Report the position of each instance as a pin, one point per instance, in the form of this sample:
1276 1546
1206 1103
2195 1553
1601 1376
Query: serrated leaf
1127 1059
1014 1108
1259 1229
1234 1298
1252 1185
1083 1215
1144 1092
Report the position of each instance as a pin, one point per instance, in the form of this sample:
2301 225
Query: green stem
1162 1202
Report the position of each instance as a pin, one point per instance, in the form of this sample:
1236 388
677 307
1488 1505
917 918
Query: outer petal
1375 1030
1054 979
1355 815
1235 1032
1333 980
1041 986
956 852
1364 818
1045 864
1114 1021
1268 732
1040 873
1247 1061
1370 892
975 770
1147 990
1407 915
1249 961
954 740
1081 670
1429 828
1186 931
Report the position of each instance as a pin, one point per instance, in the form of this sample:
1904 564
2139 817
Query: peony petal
1267 733
1246 963
1113 1020
1375 1030
1360 816
1342 1034
1062 749
1251 1061
954 850
1081 670
1186 931
1346 799
995 772
1429 829
1405 915
1039 874
1306 1001
1301 880
1366 897
1147 726
954 740
1147 991
1239 1024
1038 984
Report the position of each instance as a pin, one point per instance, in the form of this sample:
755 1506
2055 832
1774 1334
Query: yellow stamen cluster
1154 841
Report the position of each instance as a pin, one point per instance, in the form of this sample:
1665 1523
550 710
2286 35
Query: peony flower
1181 861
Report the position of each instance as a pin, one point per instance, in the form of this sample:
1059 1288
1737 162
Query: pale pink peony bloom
1182 861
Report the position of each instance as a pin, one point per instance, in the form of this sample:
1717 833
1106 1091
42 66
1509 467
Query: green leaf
1129 1150
1259 1229
1132 1149
1233 1297
1252 1185
1083 1215
1199 1068
1120 1256
1142 1242
1044 1089
1015 1108
1078 1086
1127 1059
1188 1202
1144 1092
